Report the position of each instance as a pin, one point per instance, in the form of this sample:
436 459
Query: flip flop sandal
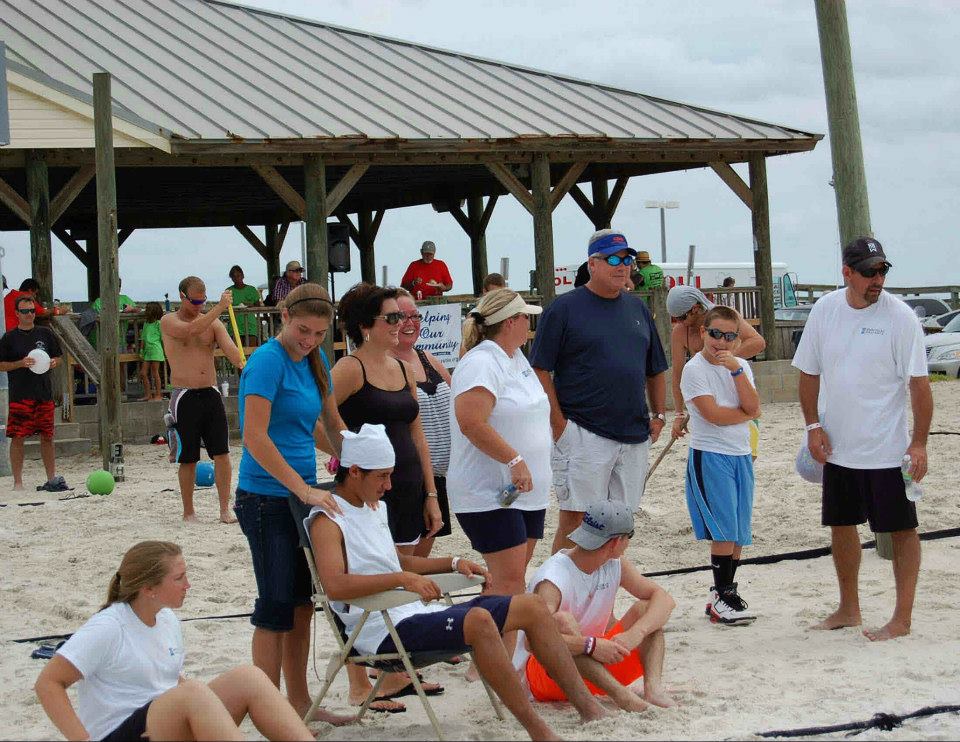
409 690
389 708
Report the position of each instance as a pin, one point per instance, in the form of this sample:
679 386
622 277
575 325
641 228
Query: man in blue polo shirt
604 354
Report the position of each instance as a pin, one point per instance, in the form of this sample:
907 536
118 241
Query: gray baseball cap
601 523
428 246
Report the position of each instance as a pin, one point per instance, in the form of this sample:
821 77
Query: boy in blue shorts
722 399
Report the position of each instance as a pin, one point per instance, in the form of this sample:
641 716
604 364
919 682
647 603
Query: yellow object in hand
236 336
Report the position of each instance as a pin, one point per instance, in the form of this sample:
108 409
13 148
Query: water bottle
507 495
914 490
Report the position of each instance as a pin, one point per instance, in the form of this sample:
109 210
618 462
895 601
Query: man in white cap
291 278
580 586
428 276
355 557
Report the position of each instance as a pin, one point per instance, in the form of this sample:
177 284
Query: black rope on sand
884 722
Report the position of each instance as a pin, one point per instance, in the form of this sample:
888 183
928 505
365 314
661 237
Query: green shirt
123 301
651 277
247 324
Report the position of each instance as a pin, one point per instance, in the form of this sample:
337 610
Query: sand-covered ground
733 683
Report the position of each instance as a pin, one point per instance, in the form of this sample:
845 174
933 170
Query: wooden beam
762 261
344 218
478 242
377 220
487 212
614 201
38 196
72 245
566 182
93 268
346 184
123 234
509 181
254 241
287 193
272 242
585 204
71 189
108 393
315 193
282 234
729 176
15 202
367 235
457 213
601 202
542 228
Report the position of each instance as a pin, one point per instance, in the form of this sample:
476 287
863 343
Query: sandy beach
732 682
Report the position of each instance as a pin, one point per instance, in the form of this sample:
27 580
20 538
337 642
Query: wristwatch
658 416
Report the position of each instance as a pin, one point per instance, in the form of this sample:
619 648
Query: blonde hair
475 329
312 300
144 565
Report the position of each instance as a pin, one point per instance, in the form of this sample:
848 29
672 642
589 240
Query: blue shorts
503 528
720 496
443 631
279 565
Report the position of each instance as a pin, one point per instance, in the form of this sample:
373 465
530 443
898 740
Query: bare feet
328 717
357 697
659 697
892 630
472 675
18 487
631 701
838 620
189 517
593 712
227 517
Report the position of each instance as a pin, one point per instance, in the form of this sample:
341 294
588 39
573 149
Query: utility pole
849 177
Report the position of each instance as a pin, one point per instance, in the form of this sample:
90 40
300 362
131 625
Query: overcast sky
755 59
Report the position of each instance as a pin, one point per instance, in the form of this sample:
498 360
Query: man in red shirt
30 287
428 276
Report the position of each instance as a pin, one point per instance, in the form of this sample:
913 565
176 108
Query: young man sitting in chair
355 557
579 586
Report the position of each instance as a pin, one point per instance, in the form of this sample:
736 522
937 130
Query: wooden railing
809 292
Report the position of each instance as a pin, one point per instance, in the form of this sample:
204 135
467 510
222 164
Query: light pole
662 205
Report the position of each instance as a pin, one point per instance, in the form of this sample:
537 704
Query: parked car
936 324
943 350
926 307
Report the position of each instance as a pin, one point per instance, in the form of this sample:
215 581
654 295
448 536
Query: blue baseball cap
607 242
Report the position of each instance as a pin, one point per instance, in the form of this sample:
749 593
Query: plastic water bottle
914 490
508 495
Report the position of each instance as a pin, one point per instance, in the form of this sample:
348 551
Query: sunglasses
296 270
871 272
415 317
196 302
27 311
628 535
718 334
616 260
391 318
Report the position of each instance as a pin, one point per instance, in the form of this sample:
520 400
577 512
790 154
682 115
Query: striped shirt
434 398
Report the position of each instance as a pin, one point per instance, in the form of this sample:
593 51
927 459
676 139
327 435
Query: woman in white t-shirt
128 663
499 437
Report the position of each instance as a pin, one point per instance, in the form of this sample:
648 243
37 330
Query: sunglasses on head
27 311
871 272
391 318
718 334
616 260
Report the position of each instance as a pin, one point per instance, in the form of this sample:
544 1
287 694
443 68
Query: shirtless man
189 339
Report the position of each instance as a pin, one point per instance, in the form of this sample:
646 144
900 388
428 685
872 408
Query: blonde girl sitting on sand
128 660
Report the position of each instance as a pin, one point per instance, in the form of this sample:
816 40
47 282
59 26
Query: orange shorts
544 688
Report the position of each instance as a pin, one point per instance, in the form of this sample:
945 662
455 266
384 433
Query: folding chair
392 661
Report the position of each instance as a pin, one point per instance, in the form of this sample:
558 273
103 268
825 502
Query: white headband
368 449
516 306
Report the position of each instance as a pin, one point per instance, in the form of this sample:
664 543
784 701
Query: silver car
943 350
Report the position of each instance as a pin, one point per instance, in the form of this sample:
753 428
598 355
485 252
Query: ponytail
144 565
475 327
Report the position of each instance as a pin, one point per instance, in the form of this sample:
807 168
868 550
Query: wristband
812 426
454 561
514 461
431 494
589 644
737 372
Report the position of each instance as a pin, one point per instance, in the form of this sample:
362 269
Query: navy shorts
855 496
443 631
503 528
279 565
133 728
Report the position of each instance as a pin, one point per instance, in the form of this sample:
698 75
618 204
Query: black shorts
503 528
855 496
133 728
199 417
443 631
444 504
404 504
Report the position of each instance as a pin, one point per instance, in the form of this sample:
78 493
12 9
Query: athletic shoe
710 601
730 609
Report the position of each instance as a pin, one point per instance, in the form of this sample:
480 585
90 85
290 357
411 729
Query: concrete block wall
143 420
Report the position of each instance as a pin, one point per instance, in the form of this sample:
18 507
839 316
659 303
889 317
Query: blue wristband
737 372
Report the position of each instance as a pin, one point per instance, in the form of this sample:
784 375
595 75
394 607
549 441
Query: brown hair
144 565
312 300
720 312
494 280
24 299
153 311
360 306
188 283
475 329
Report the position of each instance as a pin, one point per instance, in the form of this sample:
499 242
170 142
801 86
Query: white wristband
812 426
514 461
454 561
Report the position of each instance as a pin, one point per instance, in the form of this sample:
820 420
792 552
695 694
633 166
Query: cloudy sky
755 59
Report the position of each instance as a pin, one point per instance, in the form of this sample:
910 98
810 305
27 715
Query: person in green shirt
245 296
126 305
151 352
651 276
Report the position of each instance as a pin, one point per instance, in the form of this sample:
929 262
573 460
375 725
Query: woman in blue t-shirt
287 410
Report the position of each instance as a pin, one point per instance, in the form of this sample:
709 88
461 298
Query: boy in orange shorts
579 586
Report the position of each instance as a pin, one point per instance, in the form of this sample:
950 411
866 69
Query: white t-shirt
701 378
589 597
370 551
865 359
521 415
124 664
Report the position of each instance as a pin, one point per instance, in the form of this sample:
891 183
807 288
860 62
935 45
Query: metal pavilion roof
215 71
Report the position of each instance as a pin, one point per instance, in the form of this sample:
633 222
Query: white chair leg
373 695
412 672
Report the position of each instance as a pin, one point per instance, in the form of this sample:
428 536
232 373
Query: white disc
41 361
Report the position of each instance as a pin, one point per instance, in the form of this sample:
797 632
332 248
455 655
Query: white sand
734 682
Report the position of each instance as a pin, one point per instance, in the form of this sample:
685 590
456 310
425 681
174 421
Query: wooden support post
661 318
315 196
271 246
542 228
367 235
601 197
762 261
93 269
38 196
108 394
15 202
478 243
849 177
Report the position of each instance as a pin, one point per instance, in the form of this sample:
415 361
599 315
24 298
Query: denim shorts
279 565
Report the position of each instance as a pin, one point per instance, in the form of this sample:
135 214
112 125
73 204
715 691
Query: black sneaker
730 609
57 484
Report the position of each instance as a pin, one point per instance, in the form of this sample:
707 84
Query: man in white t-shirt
580 586
867 347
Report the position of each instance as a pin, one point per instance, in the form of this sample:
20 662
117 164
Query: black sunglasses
27 311
717 334
391 318
871 272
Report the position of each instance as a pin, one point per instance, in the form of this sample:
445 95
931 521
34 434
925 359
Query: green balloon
100 482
